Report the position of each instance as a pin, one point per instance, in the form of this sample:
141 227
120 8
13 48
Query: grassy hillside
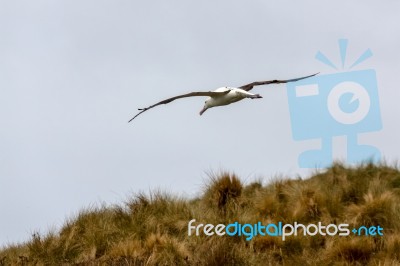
153 229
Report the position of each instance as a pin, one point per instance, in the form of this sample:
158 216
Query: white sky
72 73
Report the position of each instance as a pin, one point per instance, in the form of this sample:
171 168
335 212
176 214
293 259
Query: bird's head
207 104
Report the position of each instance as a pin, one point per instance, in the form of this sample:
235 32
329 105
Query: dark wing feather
191 94
249 86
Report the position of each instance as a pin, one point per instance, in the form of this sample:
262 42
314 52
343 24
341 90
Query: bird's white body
232 95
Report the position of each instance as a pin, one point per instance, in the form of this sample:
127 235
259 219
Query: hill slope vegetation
153 229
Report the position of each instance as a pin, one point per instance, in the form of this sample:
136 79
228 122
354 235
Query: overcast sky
72 73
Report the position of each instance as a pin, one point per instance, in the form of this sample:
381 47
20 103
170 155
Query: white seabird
223 96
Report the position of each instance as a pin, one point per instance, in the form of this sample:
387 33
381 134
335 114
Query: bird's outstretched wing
249 86
191 94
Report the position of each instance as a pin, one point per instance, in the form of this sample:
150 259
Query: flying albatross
222 96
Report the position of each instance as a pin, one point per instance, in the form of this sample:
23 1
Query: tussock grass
222 194
153 229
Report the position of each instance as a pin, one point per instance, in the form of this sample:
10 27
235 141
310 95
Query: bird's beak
203 110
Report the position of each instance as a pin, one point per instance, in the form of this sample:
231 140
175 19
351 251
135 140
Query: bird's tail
255 96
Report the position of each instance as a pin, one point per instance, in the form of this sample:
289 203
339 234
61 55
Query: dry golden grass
153 229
